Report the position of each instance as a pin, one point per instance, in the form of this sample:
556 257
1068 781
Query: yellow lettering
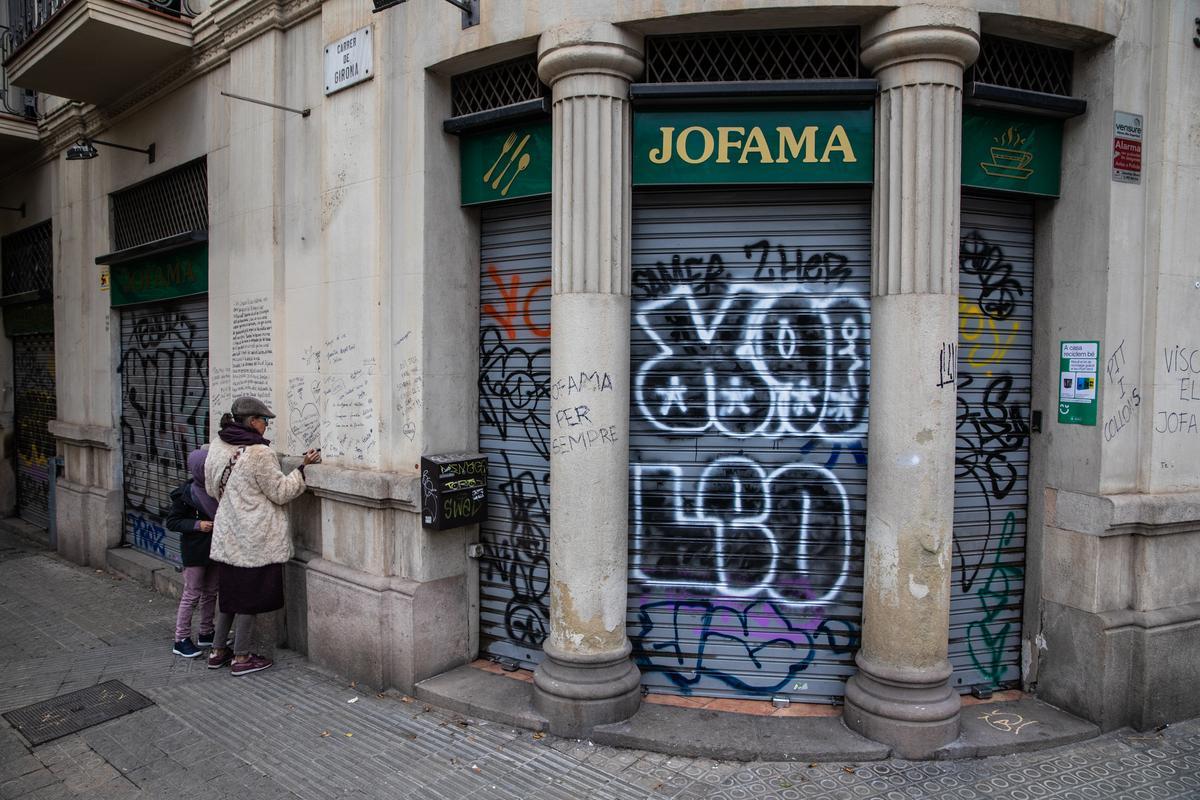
756 142
789 144
838 140
662 155
725 144
681 145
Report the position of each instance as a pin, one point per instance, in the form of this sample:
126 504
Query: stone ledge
1147 620
146 570
364 487
84 435
987 728
1122 514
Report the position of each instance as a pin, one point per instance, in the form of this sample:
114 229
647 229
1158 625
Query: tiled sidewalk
295 732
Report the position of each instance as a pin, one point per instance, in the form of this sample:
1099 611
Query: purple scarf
200 498
241 435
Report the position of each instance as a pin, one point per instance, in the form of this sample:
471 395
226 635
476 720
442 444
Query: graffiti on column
164 383
748 408
991 453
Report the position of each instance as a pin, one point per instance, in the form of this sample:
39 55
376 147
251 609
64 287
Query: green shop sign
753 146
165 276
1011 152
506 163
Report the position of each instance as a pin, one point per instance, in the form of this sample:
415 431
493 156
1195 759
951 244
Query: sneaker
185 648
216 659
205 640
252 664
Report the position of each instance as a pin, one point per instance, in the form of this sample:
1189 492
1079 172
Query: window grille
1022 65
495 86
805 54
168 204
27 259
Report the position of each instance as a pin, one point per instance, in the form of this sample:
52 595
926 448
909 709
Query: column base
913 711
576 693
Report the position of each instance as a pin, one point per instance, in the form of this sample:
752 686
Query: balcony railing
27 17
18 102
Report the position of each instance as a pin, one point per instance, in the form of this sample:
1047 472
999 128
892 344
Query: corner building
838 353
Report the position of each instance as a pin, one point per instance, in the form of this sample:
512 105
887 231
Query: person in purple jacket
192 512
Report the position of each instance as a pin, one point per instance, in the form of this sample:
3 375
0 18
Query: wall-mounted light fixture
85 149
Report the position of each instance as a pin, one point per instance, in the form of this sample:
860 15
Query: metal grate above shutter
1022 65
514 423
28 260
168 204
34 405
164 413
750 366
771 55
991 488
496 86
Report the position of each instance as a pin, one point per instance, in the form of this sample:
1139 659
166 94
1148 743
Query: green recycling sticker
1078 382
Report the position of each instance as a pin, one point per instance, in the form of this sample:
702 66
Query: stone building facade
844 352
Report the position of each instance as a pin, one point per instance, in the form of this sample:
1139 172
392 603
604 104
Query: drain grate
69 713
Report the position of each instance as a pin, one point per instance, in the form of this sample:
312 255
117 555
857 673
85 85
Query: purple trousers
199 588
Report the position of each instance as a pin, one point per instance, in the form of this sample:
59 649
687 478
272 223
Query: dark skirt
250 590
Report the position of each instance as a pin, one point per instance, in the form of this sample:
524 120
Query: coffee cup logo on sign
1008 159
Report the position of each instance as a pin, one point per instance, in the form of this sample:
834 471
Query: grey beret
250 407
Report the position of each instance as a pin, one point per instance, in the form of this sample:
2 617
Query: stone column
587 677
902 694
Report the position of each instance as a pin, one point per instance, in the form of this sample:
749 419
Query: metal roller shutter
164 412
991 488
35 404
514 414
750 366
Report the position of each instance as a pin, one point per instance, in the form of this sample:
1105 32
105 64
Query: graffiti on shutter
991 495
514 413
35 404
164 413
750 363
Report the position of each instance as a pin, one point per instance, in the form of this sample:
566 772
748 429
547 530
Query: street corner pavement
295 732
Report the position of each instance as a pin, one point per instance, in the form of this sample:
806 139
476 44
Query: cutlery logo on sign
514 156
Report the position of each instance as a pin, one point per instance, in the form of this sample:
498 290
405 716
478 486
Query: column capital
589 48
921 44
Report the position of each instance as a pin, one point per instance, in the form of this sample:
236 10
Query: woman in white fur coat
250 538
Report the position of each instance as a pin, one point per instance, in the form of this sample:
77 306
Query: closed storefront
506 169
514 430
991 487
29 322
34 407
159 280
164 412
750 363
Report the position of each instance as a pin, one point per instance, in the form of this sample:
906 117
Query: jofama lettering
697 145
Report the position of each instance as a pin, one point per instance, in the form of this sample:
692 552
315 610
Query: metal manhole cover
69 713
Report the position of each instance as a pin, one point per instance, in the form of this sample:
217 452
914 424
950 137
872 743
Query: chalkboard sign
453 490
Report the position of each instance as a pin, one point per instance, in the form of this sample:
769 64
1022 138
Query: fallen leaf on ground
427 708
539 735
324 733
848 770
349 734
406 699
380 695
